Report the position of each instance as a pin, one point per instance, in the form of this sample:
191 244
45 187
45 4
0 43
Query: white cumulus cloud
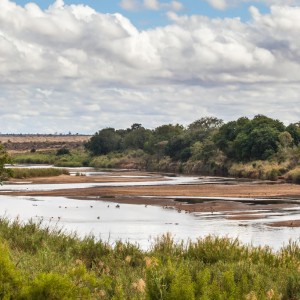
81 70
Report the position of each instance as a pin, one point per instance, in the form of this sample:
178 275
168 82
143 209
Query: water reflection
139 223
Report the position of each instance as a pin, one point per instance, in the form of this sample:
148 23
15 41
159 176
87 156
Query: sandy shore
237 210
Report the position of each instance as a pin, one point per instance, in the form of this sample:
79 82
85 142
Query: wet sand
155 195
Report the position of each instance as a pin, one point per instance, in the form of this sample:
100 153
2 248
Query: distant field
19 143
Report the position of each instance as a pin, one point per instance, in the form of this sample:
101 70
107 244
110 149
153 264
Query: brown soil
20 143
289 223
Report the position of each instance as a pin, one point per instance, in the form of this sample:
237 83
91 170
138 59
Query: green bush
10 279
38 262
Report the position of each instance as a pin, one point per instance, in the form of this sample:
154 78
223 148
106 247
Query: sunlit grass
43 262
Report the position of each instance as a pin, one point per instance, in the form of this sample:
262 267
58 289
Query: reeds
41 261
36 172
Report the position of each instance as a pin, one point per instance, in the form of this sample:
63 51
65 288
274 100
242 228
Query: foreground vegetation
38 262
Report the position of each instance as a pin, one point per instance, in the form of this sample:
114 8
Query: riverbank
240 200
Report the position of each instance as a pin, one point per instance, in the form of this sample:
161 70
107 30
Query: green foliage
246 140
34 158
51 286
136 137
294 130
10 279
62 151
75 158
104 141
36 172
4 159
42 263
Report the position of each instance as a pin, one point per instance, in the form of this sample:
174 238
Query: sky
81 65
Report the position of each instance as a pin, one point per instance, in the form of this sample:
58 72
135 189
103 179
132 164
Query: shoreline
253 196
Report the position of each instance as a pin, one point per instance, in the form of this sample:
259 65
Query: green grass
34 158
38 172
76 158
38 262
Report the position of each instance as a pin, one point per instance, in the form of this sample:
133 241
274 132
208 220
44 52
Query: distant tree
104 141
294 130
136 137
4 159
206 123
179 148
246 140
167 132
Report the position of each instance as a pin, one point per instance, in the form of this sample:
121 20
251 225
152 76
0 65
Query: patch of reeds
34 158
36 172
294 176
41 261
264 170
72 158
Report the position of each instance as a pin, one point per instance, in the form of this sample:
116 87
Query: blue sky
145 18
72 67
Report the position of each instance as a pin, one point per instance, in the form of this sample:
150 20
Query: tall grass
34 158
73 158
39 172
294 176
42 262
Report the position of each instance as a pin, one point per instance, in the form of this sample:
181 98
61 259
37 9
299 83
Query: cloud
151 4
136 5
81 70
218 4
130 5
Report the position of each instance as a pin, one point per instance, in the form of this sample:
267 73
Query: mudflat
274 196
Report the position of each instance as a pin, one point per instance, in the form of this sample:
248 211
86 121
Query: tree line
242 140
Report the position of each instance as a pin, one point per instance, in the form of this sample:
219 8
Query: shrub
62 151
294 176
10 283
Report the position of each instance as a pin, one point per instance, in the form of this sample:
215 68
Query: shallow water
140 224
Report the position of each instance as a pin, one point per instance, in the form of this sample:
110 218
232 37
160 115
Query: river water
139 223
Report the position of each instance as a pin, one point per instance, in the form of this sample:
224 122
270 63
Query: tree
294 130
4 159
245 140
206 123
104 141
179 148
136 137
204 128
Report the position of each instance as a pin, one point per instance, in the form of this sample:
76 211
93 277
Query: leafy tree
4 159
294 130
136 137
104 141
160 137
179 148
206 123
245 139
167 132
204 128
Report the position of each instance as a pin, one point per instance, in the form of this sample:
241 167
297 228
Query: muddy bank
261 195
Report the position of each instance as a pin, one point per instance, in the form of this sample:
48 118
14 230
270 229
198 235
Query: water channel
139 223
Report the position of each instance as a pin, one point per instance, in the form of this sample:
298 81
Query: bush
294 176
62 151
10 283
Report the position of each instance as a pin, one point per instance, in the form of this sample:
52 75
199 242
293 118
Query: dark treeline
209 143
